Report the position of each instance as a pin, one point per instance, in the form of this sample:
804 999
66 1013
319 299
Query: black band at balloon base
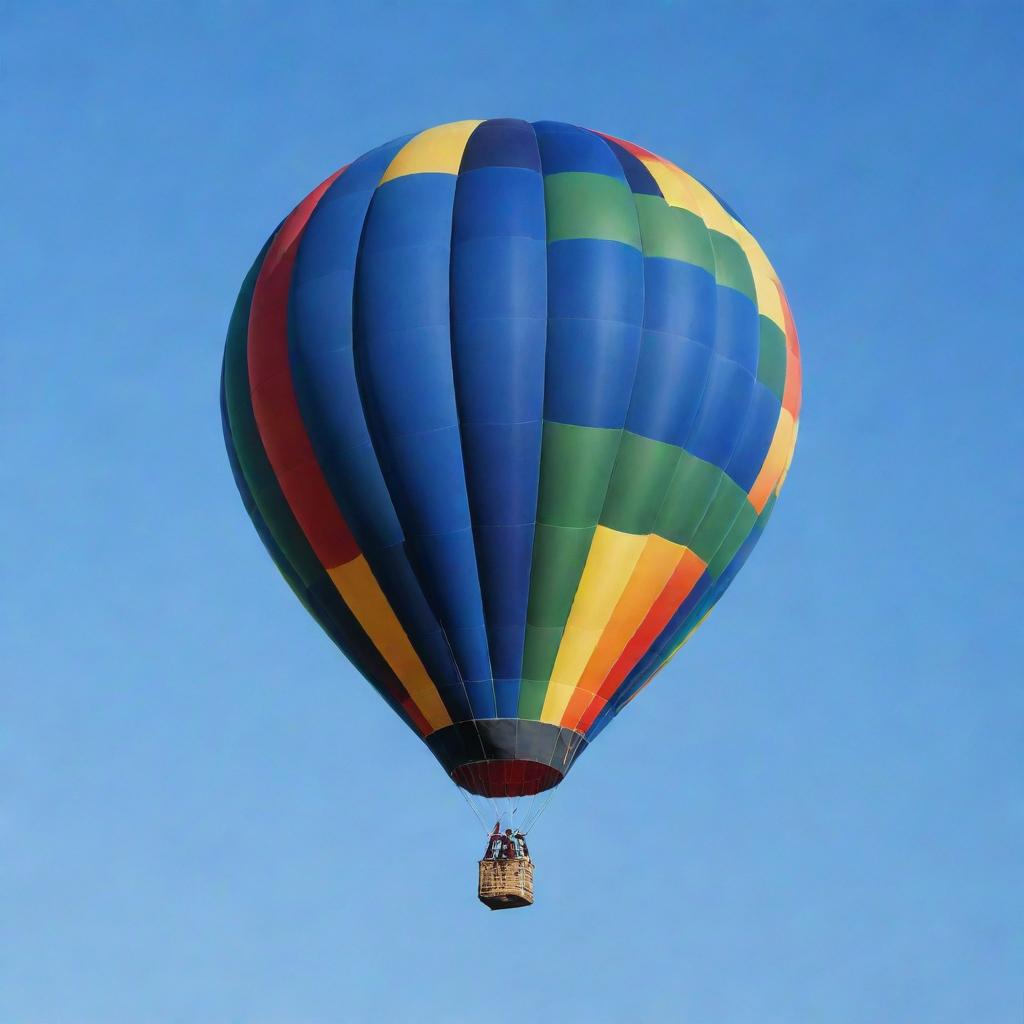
495 757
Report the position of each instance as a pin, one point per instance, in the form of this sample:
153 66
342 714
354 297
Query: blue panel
409 375
403 357
756 438
595 279
498 332
496 278
481 695
430 497
722 413
330 242
670 378
590 370
564 147
499 369
320 351
501 142
507 691
402 289
415 209
737 334
680 298
500 201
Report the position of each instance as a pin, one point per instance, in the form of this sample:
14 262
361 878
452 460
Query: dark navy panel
638 177
498 340
590 369
738 331
680 298
564 147
402 346
504 554
595 279
722 412
501 142
503 459
756 437
285 567
670 378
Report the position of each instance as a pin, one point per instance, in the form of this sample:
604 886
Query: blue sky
815 815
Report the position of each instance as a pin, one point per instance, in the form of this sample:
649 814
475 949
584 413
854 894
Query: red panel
273 397
631 147
681 582
506 778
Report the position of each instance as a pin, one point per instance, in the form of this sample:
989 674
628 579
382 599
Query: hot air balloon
509 405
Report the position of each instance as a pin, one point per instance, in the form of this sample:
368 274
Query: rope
472 807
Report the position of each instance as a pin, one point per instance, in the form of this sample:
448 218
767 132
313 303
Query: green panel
771 360
731 266
691 491
531 698
583 205
574 469
643 471
559 554
542 644
736 535
673 234
727 503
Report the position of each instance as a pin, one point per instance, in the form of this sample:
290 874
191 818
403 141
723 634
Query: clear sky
816 816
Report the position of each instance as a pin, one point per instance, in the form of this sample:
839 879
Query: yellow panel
789 457
768 302
653 570
774 462
610 563
700 200
558 695
435 151
674 185
361 592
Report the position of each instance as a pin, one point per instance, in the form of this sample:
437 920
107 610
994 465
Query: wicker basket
505 884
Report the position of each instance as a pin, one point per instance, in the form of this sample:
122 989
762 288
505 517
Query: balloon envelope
509 405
